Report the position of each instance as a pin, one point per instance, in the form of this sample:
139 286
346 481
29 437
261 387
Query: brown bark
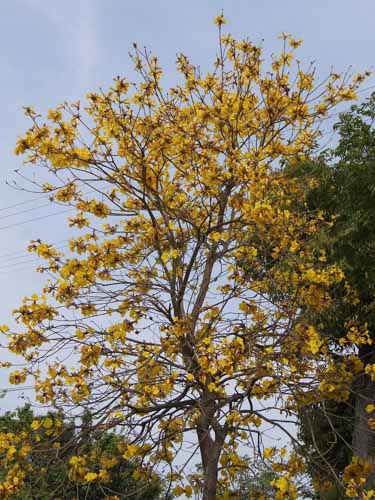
363 436
210 448
210 453
210 480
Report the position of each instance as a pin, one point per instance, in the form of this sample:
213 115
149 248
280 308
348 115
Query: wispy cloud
75 23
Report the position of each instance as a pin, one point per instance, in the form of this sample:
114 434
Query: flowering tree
184 314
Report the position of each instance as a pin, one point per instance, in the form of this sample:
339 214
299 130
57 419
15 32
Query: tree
344 187
356 180
254 483
53 453
182 311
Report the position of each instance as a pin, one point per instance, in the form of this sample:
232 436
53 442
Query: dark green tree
341 183
49 477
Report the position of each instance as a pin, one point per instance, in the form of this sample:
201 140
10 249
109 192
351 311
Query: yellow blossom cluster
16 449
355 479
190 288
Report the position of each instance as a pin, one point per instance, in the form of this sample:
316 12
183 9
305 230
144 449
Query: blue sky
53 50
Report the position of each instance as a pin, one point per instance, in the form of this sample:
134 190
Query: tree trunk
210 454
210 449
210 479
363 436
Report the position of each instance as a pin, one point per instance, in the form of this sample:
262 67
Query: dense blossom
184 305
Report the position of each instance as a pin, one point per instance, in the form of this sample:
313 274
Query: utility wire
17 389
35 219
20 258
21 203
26 211
3 209
16 264
20 263
26 268
17 255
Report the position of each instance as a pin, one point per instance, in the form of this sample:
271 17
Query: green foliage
326 431
252 482
256 486
341 183
354 201
345 190
49 477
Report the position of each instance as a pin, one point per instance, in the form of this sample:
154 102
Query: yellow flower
216 236
165 257
178 490
348 94
35 424
219 20
281 484
188 491
294 43
268 452
174 253
130 451
91 476
47 423
54 115
294 246
18 377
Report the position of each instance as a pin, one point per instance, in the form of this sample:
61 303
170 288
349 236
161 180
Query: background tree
52 454
254 483
169 335
342 183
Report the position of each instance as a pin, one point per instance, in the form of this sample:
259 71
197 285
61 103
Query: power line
33 208
16 269
3 209
14 214
14 263
17 389
366 89
10 255
20 263
35 219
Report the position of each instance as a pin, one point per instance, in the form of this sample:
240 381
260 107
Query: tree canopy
185 305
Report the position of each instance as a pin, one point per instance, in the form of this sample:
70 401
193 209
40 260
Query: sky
52 51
